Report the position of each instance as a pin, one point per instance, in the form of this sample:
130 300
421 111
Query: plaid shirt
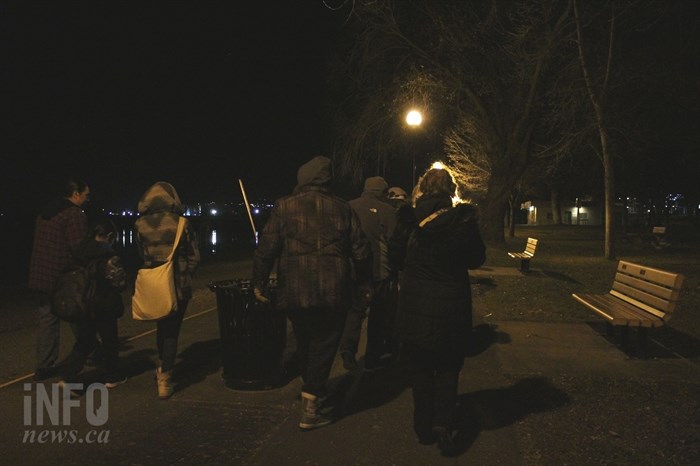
56 240
318 240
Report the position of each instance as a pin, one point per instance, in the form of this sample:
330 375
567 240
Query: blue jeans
167 334
47 335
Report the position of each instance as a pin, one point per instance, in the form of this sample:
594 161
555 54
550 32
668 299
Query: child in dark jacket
106 306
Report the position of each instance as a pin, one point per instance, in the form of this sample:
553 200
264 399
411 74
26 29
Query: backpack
73 293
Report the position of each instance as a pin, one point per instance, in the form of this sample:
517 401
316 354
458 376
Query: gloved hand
259 296
365 294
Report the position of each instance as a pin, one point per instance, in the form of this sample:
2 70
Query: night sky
123 94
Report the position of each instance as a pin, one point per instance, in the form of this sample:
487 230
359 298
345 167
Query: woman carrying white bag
156 229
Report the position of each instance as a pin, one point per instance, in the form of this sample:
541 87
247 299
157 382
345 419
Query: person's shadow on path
354 392
492 409
197 362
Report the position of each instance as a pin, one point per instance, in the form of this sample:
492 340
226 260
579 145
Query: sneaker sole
307 427
115 384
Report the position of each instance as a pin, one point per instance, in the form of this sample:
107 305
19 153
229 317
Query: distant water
220 239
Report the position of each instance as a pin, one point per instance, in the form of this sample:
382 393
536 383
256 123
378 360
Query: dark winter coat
318 240
160 209
109 276
378 219
435 243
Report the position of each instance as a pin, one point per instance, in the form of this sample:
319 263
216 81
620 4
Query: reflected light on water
213 242
126 237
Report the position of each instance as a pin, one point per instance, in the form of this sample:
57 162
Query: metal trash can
253 335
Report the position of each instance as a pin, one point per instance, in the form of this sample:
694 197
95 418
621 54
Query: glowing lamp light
213 212
414 118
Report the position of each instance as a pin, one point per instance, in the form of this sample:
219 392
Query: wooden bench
640 297
658 235
526 255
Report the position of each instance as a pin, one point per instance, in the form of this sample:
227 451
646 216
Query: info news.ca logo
50 409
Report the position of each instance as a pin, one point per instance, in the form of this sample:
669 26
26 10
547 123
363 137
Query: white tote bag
155 296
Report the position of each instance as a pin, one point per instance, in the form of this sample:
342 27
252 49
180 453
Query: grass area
569 259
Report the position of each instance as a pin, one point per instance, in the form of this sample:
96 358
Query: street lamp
414 119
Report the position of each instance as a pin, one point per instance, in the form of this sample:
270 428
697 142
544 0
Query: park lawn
569 259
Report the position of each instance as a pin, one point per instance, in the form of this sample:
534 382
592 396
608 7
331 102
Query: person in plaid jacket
320 245
59 229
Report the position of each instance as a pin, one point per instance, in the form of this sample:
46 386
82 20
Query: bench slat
660 277
618 312
520 255
638 304
659 291
641 296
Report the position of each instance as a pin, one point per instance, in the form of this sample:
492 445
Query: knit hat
376 184
316 171
396 193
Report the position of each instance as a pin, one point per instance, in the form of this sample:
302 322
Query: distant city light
213 212
256 211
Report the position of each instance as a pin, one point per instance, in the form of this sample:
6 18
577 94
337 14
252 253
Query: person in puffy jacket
318 240
435 243
105 306
160 210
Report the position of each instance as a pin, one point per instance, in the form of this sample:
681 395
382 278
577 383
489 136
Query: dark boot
311 417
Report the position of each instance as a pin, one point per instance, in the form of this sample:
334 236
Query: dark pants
434 381
379 325
350 339
167 334
317 331
86 342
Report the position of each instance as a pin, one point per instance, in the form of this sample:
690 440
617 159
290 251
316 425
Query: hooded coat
435 244
318 240
60 228
160 210
378 219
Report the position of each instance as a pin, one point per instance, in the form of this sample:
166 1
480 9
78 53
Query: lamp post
414 120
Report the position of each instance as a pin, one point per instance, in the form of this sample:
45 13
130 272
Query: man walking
378 219
319 242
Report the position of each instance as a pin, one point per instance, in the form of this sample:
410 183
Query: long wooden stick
250 215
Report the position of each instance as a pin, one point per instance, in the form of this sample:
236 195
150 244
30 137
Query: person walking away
435 243
97 255
396 196
377 218
317 238
59 230
160 210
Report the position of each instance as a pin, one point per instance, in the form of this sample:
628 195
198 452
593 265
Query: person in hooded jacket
318 240
59 230
435 243
160 210
377 218
106 306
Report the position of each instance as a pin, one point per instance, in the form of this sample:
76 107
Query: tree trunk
609 194
556 206
511 217
492 211
597 101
